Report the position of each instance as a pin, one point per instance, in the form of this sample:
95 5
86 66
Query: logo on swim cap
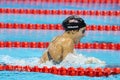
73 23
73 26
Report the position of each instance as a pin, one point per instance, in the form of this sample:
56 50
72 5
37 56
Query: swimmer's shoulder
67 41
55 38
63 40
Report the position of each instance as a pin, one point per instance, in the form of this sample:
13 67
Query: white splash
78 60
5 59
73 59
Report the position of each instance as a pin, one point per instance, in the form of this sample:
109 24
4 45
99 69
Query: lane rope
105 46
71 71
62 1
56 27
61 12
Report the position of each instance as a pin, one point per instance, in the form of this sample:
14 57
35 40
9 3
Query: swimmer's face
79 34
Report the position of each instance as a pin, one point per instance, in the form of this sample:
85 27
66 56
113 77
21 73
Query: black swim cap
73 23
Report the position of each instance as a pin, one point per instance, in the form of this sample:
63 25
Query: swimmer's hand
93 60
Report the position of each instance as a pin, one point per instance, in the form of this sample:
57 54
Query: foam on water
6 59
77 60
73 59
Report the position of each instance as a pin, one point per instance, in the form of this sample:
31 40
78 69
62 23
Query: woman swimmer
63 45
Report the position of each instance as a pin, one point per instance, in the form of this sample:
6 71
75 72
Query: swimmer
63 45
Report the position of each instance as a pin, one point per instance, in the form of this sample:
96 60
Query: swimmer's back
58 50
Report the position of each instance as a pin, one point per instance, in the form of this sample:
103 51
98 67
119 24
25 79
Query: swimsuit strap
49 56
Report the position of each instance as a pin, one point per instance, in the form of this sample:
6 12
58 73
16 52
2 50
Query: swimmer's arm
56 52
44 58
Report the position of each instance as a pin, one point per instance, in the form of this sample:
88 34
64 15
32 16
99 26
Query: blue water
44 76
13 55
30 56
20 35
55 19
62 6
25 53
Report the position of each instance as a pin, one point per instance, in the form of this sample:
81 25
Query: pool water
31 56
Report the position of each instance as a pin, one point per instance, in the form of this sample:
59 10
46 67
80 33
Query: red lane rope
56 27
71 71
63 1
61 12
109 46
